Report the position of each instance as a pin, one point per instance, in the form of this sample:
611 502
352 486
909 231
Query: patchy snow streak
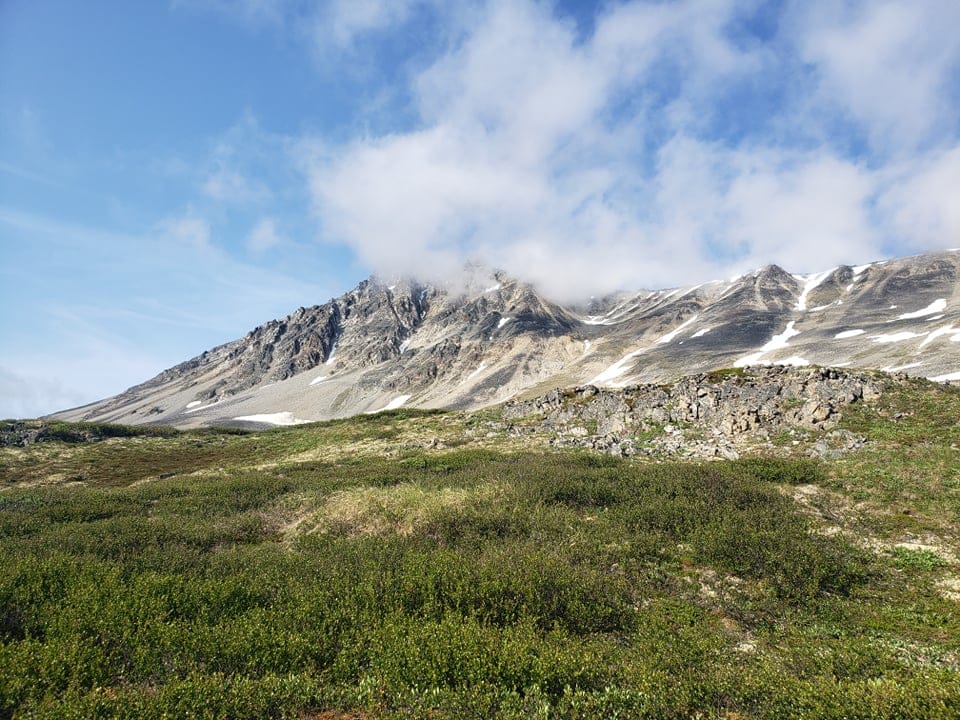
673 333
617 369
848 334
280 418
333 351
404 345
480 369
503 321
194 404
319 379
794 360
492 288
811 282
195 408
947 330
933 308
898 368
944 378
700 333
611 318
397 402
777 342
896 337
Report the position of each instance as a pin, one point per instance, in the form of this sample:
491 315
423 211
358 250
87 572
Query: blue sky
173 173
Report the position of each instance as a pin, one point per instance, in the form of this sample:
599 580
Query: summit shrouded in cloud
172 175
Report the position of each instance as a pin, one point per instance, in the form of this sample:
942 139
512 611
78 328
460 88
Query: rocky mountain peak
396 343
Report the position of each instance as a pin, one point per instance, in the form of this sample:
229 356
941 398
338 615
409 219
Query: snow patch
849 334
195 408
280 418
493 288
895 337
858 269
194 404
948 330
480 369
673 333
944 378
319 379
690 290
392 405
503 321
811 282
933 308
404 345
701 333
935 317
616 370
898 368
333 351
612 317
794 360
777 342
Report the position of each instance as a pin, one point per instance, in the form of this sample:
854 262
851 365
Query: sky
175 172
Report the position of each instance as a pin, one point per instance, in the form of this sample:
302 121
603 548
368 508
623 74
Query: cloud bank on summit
660 144
177 175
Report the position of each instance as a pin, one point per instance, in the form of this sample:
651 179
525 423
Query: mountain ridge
381 346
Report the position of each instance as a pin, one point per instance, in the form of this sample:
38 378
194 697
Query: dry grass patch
404 509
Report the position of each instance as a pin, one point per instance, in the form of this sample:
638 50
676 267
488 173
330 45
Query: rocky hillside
384 345
708 415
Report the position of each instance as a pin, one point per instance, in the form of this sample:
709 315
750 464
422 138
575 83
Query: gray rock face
722 409
410 344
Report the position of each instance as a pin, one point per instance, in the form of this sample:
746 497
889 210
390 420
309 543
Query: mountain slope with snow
406 344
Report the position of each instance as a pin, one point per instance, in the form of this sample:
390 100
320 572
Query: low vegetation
369 569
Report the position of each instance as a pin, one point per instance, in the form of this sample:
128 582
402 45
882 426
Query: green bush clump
464 584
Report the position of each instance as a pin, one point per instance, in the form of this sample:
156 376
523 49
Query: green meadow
351 570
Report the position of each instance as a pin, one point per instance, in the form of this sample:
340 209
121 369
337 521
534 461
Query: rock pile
704 415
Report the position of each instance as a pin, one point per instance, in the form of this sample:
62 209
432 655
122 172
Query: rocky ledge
709 415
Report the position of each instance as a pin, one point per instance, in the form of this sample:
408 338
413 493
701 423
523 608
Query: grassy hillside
418 565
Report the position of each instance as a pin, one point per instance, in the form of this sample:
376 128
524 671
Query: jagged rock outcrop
704 415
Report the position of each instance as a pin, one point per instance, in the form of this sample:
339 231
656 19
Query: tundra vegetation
394 566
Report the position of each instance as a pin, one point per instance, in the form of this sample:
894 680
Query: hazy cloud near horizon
674 143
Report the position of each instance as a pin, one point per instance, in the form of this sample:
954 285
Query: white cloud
189 231
591 164
343 21
920 201
263 236
229 186
29 396
888 64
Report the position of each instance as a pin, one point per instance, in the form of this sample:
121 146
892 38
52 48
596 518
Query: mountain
408 344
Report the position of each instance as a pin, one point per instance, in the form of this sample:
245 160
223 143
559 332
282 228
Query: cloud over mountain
669 143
